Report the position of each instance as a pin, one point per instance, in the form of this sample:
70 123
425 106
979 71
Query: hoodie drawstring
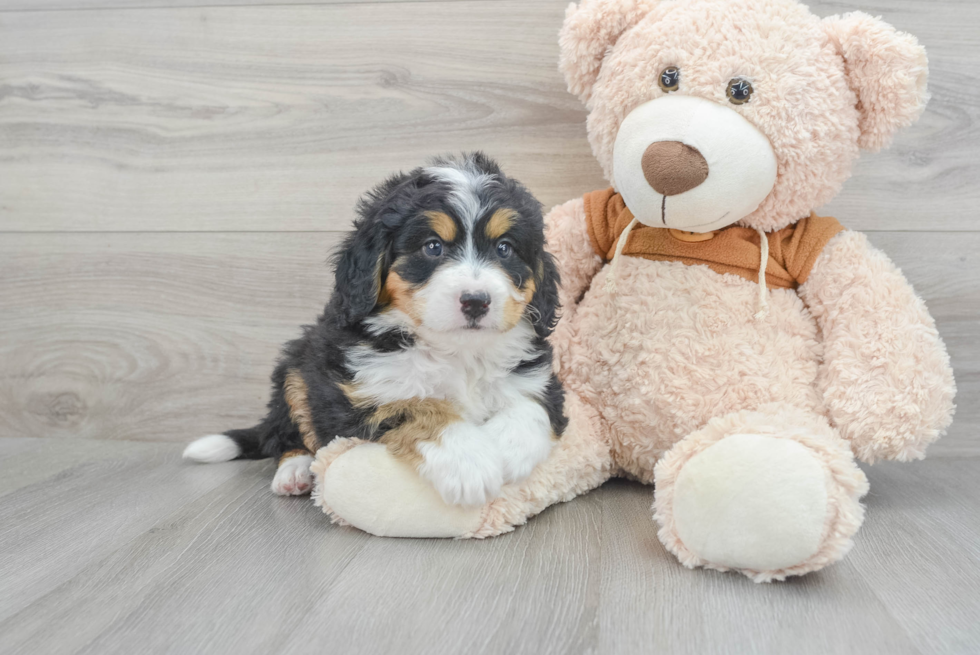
763 261
763 304
611 278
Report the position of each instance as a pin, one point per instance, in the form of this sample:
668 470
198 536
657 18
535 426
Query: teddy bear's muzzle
691 164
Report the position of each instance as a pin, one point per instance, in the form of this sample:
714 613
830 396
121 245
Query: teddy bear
719 340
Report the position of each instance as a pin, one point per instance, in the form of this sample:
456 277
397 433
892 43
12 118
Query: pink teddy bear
721 125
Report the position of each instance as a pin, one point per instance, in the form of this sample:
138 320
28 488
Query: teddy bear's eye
670 78
739 91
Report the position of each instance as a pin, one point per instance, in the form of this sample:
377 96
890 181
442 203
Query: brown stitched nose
672 167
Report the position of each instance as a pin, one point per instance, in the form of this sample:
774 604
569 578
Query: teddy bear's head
705 113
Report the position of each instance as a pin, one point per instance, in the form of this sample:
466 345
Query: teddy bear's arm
886 379
568 240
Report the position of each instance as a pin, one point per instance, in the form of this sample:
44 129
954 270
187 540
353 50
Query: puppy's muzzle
475 305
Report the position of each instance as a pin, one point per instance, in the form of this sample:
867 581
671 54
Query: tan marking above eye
442 224
501 221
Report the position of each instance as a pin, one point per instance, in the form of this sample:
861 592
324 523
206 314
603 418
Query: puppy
433 342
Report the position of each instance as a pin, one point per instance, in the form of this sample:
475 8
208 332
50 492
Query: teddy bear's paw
766 505
752 502
367 487
525 440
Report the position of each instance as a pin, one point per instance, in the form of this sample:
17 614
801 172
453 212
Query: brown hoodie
792 250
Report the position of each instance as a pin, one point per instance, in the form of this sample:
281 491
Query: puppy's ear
887 69
590 29
363 260
361 264
544 302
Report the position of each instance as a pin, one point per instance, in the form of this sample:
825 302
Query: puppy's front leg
464 464
525 437
461 460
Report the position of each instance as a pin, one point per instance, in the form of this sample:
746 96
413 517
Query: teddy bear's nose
672 167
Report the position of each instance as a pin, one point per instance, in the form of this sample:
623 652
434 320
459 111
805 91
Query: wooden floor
120 547
173 176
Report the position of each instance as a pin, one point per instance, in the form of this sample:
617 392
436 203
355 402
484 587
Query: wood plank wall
174 173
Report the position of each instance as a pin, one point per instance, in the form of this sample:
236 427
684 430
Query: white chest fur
472 368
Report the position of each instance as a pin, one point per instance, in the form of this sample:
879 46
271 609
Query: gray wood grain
173 174
538 592
27 461
921 527
234 571
49 533
652 604
153 336
277 118
199 558
61 5
164 336
272 118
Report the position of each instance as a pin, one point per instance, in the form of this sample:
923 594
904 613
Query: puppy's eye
670 79
432 248
504 249
739 91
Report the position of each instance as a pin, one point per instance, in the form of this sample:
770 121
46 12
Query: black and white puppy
433 342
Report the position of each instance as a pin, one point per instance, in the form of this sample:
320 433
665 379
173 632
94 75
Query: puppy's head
450 247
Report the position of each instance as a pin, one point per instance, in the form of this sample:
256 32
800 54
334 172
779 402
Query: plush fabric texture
588 32
793 250
886 379
566 231
325 457
888 71
674 367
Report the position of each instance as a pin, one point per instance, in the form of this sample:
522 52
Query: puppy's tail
234 444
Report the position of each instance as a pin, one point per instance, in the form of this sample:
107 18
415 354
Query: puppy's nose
475 305
672 167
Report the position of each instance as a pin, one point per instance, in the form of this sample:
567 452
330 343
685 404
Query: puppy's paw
293 478
520 460
465 468
462 482
525 439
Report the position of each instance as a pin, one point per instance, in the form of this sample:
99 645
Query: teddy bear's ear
589 30
887 69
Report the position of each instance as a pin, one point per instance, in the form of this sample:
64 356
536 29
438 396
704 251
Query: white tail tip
212 448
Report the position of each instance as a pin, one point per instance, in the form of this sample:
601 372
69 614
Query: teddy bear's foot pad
370 489
752 502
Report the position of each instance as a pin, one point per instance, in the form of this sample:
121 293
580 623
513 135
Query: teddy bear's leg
361 484
768 493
